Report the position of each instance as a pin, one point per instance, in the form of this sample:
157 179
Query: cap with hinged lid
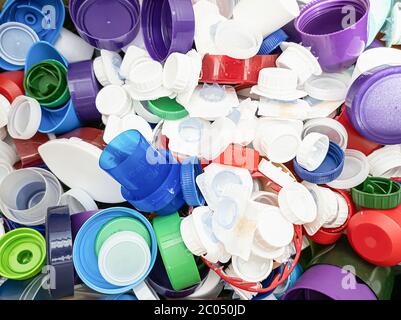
106 68
329 127
313 151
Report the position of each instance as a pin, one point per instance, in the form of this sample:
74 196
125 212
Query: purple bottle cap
326 282
83 89
106 24
373 105
168 26
78 219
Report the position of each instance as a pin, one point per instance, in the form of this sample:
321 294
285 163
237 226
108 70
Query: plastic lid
329 127
141 110
328 86
15 41
356 170
23 254
278 84
124 258
78 201
117 225
106 68
113 100
265 197
132 55
76 164
312 151
190 169
275 173
377 193
24 118
4 110
297 204
254 270
384 160
272 41
168 109
342 213
190 236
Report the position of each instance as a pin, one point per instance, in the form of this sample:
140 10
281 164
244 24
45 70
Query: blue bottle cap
271 42
41 51
190 169
15 41
328 171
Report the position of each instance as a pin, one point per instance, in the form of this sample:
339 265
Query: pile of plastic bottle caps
209 149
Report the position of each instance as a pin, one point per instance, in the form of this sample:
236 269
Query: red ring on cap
227 70
12 84
396 179
239 156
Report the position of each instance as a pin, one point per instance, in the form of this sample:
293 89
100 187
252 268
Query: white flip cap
124 258
356 170
24 118
329 127
268 198
5 169
253 270
297 204
132 55
141 111
342 213
299 59
298 109
385 160
275 173
312 151
190 236
236 40
73 47
76 164
4 111
328 86
212 102
78 201
8 154
113 100
106 68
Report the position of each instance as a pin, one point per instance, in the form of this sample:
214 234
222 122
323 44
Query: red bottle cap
12 84
239 156
227 70
91 135
27 150
376 235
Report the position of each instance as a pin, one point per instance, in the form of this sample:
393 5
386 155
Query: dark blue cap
271 42
328 171
190 169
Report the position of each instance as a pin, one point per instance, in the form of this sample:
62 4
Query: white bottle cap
265 197
342 213
106 68
322 109
356 170
328 86
190 236
297 204
24 118
253 270
78 201
124 258
236 40
298 109
329 127
141 111
4 111
5 169
73 47
275 173
113 100
385 160
8 154
313 150
132 55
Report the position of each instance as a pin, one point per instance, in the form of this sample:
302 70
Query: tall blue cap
41 51
59 121
271 42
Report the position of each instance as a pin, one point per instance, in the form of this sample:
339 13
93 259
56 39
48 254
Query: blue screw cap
272 42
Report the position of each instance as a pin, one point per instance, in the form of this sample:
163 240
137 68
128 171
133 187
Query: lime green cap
179 262
46 82
377 193
118 225
22 254
168 109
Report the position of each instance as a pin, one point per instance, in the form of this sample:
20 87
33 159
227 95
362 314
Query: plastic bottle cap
384 160
342 213
7 153
76 164
298 109
237 40
329 127
272 42
168 109
73 47
300 60
113 100
356 170
312 151
124 258
15 41
141 110
4 111
278 84
265 197
377 193
328 86
190 170
78 201
24 118
132 55
297 204
275 173
254 270
106 68
190 236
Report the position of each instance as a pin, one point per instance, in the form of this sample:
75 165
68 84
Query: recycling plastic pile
211 149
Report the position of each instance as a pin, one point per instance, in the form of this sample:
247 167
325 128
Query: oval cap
24 118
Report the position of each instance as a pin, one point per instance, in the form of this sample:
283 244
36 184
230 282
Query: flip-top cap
106 68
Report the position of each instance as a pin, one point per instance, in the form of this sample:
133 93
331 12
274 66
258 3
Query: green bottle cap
118 225
179 262
377 193
22 254
168 109
46 82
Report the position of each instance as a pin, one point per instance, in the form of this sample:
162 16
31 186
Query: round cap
342 213
22 254
113 100
124 258
312 151
78 201
151 75
168 109
297 204
15 41
190 236
256 269
190 170
106 68
328 86
329 127
355 171
132 55
24 118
